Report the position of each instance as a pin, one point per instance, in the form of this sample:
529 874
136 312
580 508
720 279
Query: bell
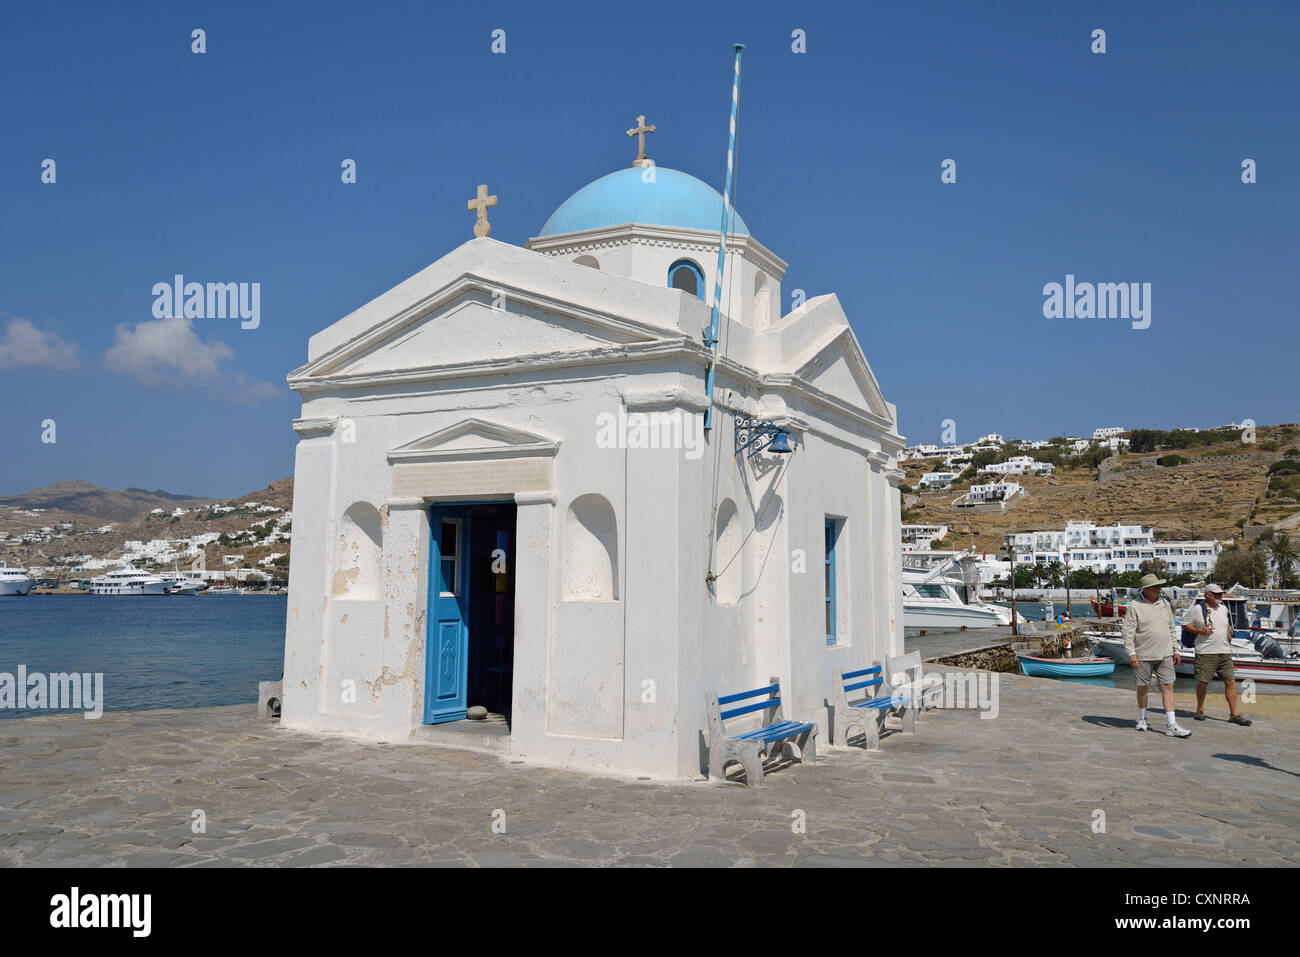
780 444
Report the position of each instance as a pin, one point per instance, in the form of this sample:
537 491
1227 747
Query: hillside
1221 491
89 502
83 539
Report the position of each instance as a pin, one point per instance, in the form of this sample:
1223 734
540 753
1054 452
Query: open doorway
470 647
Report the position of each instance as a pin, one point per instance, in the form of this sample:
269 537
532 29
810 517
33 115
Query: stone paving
1020 789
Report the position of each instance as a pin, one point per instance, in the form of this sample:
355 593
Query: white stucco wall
615 683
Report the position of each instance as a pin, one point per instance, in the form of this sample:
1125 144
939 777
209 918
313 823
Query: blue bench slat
893 702
774 732
787 730
746 709
742 695
864 684
859 674
759 732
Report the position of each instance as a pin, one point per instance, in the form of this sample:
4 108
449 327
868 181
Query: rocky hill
29 545
88 502
1221 491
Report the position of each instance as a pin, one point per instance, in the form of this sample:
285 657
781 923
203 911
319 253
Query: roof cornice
645 234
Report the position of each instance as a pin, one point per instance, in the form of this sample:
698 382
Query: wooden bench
748 748
868 711
904 675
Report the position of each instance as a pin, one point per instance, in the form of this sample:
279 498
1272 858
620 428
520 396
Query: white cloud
22 344
248 392
168 353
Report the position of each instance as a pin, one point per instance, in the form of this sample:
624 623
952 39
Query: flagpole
712 340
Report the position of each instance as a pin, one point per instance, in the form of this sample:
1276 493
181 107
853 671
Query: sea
177 651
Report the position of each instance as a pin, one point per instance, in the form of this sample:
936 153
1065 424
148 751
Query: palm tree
1039 572
1284 553
1055 571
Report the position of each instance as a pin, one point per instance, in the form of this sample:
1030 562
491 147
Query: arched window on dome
688 277
591 261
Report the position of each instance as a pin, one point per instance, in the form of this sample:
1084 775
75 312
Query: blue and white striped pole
712 340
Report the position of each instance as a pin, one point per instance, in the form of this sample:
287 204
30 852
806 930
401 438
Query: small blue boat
1066 667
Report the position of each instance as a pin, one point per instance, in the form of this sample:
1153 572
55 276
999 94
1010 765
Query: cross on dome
639 131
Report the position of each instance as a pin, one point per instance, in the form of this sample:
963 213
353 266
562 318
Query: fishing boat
1104 609
1065 667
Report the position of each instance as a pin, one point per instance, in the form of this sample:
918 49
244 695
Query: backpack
1189 637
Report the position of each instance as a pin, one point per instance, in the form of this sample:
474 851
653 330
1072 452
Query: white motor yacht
178 584
940 598
128 581
14 581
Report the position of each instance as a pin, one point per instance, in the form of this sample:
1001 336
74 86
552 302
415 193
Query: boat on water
14 581
1066 667
178 584
1104 609
1248 661
225 591
942 597
128 581
184 586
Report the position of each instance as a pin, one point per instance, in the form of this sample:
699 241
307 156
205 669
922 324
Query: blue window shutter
830 581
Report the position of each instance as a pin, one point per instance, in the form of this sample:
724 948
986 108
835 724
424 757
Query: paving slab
1059 777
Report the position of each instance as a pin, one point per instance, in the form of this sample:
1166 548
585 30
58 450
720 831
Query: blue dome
673 199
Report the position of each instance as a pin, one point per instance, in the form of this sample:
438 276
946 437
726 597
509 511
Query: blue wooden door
447 644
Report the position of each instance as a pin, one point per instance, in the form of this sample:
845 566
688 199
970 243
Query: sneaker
1239 719
1174 731
1142 726
1199 716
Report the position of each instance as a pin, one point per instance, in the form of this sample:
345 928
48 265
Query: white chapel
506 502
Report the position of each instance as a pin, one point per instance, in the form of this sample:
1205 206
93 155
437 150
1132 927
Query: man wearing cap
1208 620
1151 640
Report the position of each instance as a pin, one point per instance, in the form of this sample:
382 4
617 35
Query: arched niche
591 261
726 550
590 550
762 301
359 563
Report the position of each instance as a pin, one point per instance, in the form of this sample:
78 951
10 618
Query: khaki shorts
1207 665
1164 669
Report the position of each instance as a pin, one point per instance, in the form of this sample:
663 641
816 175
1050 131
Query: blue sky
225 167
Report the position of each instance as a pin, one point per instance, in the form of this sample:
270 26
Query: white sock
1142 716
1169 716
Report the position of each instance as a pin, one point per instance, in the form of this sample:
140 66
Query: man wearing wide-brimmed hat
1151 640
1208 620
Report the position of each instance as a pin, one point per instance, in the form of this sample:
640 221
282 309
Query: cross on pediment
639 131
481 203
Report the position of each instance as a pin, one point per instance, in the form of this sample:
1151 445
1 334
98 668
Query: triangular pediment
474 438
476 325
839 369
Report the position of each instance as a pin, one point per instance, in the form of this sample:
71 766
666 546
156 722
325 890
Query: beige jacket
1150 631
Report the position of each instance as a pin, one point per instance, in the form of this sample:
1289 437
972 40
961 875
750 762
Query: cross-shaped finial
481 225
639 131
